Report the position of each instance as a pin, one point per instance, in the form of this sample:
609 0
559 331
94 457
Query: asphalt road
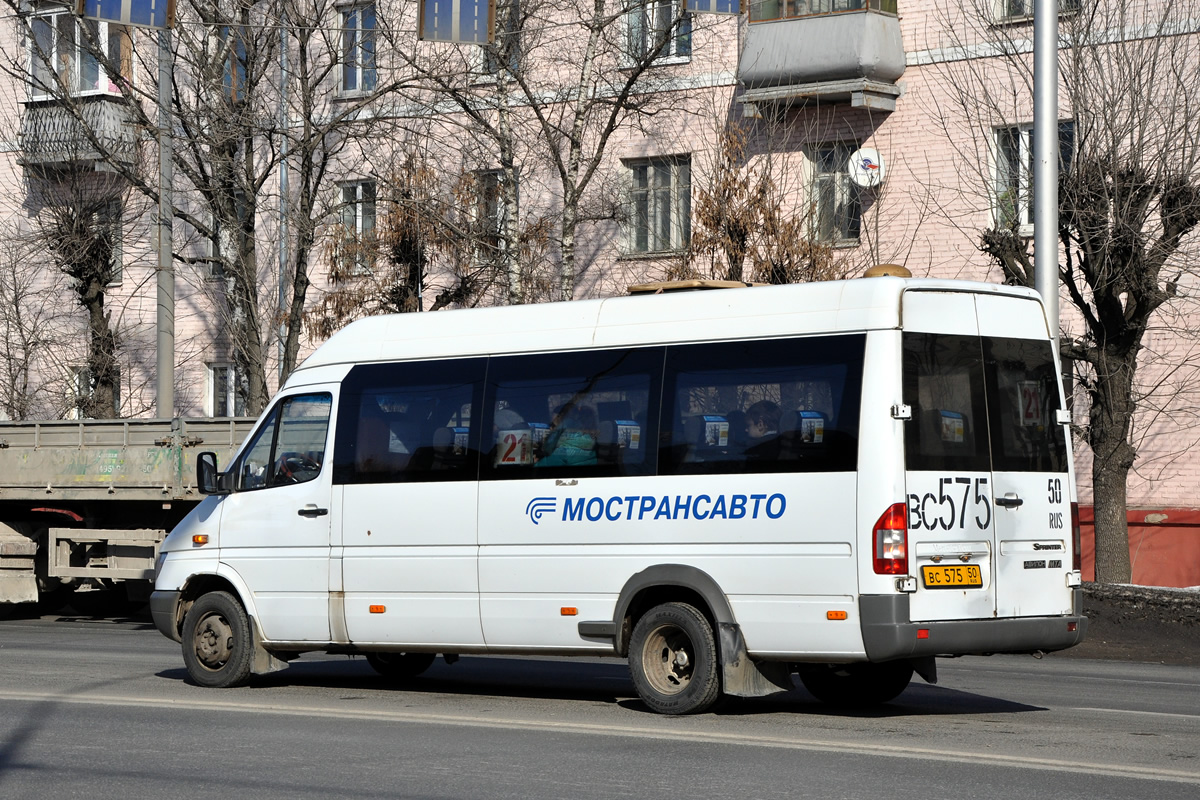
96 709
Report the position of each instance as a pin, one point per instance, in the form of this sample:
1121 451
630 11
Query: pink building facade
940 90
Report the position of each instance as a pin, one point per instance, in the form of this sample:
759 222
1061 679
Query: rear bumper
162 610
888 633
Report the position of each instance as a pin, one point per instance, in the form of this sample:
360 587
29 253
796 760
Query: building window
83 386
227 391
836 208
656 23
768 10
1023 9
660 204
214 266
66 48
357 245
358 49
1014 172
109 225
505 51
491 213
233 43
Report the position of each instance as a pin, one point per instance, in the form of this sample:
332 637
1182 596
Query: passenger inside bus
572 439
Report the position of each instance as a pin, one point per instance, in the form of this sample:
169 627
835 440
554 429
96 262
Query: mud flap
263 662
926 667
742 676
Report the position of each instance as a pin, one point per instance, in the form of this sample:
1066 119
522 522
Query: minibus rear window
943 382
981 404
1025 388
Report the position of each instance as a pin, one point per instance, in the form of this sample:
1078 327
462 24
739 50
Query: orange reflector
922 633
200 538
835 615
1072 626
568 611
378 609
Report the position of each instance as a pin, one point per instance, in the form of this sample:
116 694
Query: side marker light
377 609
568 611
922 633
836 615
200 539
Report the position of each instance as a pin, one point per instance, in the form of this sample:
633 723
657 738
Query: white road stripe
1133 711
673 734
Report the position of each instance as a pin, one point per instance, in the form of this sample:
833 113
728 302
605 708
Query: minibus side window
780 405
566 414
943 382
1022 379
409 422
289 448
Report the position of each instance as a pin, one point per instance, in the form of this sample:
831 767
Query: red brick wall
1164 545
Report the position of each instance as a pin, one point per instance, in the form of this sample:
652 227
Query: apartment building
581 151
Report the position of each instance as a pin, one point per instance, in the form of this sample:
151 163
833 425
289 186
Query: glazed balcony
53 136
827 51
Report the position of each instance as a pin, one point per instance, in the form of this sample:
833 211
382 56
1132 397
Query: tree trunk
100 401
1112 458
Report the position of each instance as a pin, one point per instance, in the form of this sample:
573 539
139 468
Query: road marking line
1133 711
673 734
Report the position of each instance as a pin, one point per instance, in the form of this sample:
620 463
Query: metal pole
283 192
1045 157
166 268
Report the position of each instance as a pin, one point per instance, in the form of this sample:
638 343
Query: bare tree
1129 201
561 79
753 220
34 327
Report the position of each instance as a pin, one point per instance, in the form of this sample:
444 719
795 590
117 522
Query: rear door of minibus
1030 460
948 479
987 462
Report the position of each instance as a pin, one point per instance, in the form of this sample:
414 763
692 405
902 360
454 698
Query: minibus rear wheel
673 660
856 685
218 648
399 666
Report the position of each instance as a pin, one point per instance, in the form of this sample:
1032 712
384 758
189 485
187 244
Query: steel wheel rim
667 659
213 641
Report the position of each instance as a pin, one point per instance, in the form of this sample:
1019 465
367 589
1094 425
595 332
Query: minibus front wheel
218 647
673 660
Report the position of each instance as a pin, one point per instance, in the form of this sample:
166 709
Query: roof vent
888 270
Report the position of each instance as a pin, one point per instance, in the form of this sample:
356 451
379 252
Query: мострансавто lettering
700 506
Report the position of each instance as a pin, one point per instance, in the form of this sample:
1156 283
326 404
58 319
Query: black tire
400 666
673 660
856 685
218 647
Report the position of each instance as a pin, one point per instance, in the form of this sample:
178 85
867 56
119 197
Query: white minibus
837 480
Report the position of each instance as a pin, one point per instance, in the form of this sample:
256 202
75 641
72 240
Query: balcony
53 137
818 52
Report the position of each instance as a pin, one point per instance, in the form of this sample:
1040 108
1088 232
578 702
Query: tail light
1076 543
891 541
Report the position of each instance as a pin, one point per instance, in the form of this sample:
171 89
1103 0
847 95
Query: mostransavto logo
656 507
539 506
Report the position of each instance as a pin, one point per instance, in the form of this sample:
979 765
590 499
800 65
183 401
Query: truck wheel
856 685
217 646
673 660
399 666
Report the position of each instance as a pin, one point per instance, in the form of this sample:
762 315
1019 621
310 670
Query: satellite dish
866 167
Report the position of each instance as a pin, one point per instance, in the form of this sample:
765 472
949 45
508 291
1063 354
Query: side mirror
208 480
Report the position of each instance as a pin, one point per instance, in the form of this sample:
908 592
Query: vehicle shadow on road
595 681
918 700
